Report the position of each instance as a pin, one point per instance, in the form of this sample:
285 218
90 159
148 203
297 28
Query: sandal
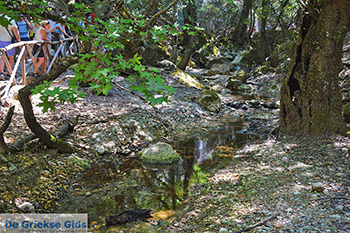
2 77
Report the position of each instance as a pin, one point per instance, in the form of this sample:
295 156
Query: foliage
198 175
105 55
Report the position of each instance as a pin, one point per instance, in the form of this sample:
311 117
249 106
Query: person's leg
11 57
3 44
12 61
2 66
25 54
39 62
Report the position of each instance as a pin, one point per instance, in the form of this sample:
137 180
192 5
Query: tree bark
190 17
310 93
241 35
47 138
263 46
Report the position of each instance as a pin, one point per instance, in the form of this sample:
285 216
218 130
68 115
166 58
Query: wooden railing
62 48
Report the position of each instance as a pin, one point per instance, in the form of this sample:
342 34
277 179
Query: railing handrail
21 43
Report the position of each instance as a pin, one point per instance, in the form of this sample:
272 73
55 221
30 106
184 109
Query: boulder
233 84
241 75
218 67
187 79
245 87
346 112
167 65
159 153
210 100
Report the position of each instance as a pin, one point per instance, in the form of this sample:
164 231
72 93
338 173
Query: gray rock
233 84
26 207
101 150
219 68
245 87
217 88
167 65
339 207
159 153
223 230
318 187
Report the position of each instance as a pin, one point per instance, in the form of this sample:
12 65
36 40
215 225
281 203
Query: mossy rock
263 69
187 79
346 112
241 76
233 84
159 153
245 87
210 100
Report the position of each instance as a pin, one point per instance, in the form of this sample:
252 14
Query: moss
263 69
187 79
159 153
210 100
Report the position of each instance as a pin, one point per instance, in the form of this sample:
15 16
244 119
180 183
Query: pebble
101 150
318 187
222 230
339 207
26 207
335 216
224 221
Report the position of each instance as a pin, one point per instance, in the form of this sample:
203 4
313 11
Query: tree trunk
310 94
241 35
48 139
190 17
263 46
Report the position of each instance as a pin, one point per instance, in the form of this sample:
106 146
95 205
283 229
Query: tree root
4 127
66 128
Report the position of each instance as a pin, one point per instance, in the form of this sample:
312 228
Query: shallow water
110 188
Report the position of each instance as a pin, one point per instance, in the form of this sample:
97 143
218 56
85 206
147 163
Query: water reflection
111 188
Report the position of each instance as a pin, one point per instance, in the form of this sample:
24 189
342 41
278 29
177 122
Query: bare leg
2 66
40 61
12 61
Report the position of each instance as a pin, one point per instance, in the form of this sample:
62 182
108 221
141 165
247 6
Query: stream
129 184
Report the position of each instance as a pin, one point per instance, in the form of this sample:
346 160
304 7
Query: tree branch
156 16
257 224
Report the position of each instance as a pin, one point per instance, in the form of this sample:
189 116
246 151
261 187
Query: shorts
35 49
11 52
25 39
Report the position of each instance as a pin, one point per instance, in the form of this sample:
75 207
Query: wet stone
318 187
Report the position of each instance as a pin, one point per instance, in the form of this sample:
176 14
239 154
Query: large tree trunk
263 46
241 34
190 17
310 94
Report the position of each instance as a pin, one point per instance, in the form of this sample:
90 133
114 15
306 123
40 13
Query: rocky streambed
232 172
